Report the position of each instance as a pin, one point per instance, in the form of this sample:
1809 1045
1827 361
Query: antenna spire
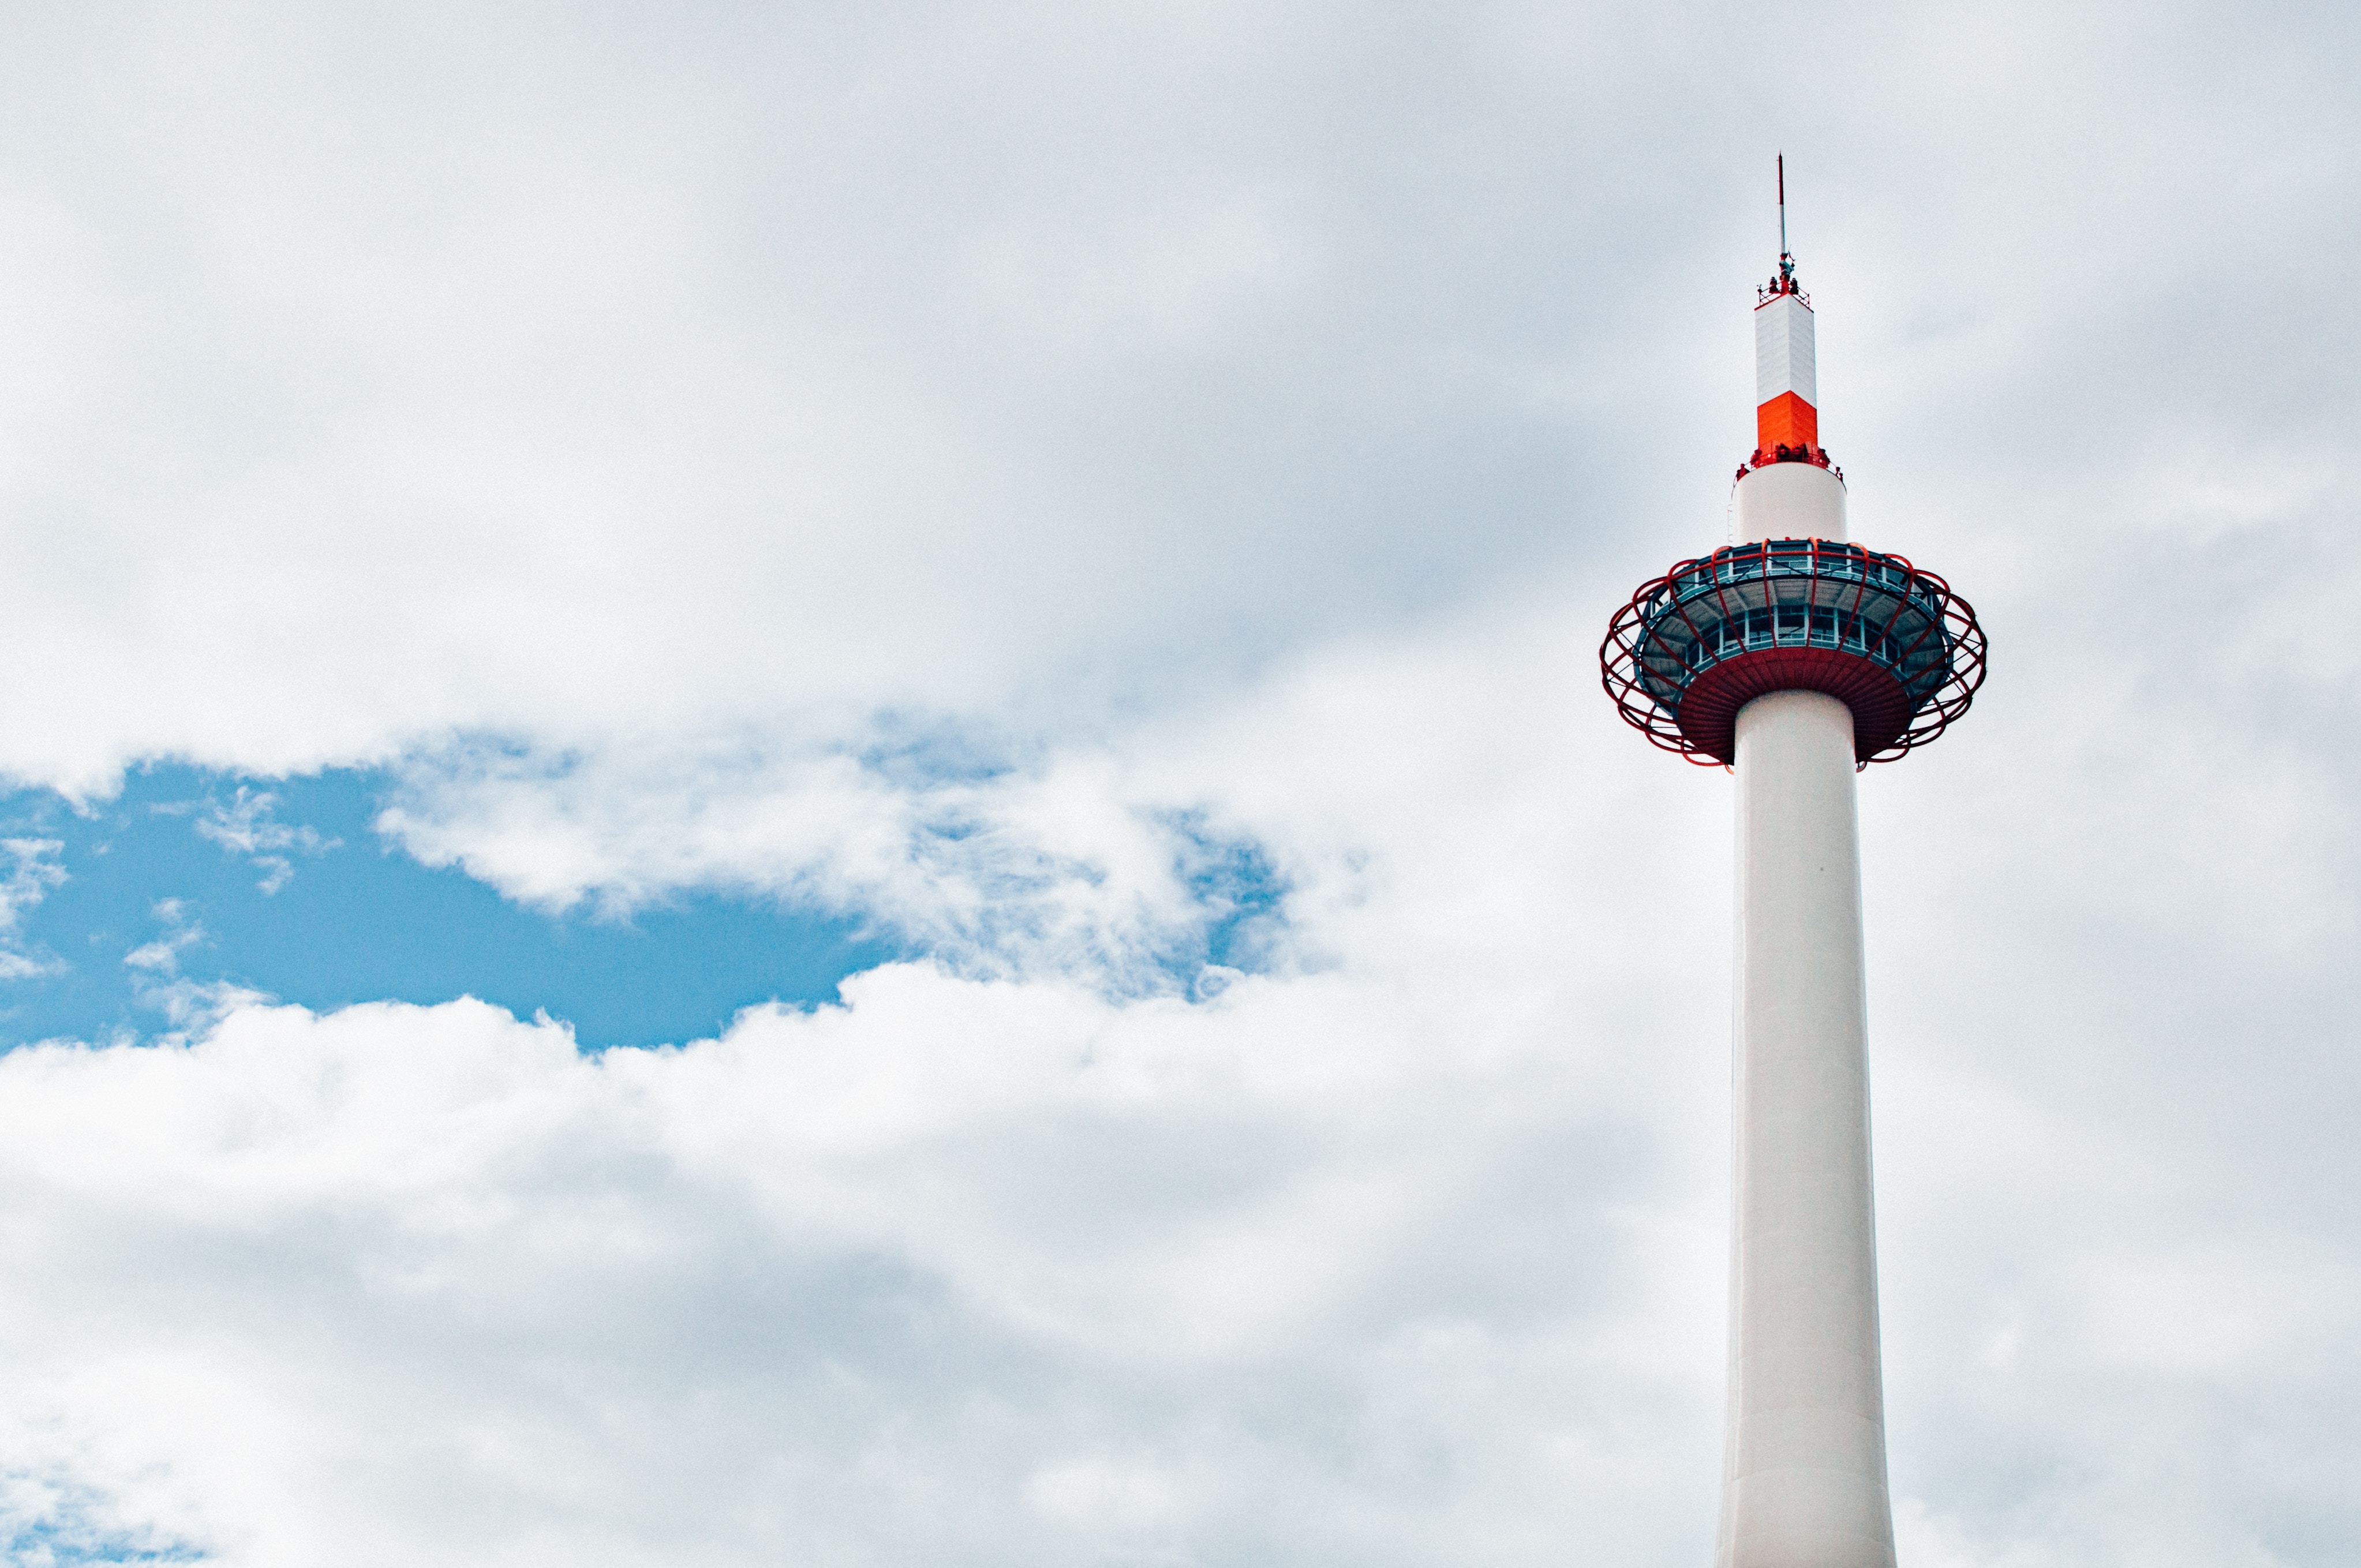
1787 258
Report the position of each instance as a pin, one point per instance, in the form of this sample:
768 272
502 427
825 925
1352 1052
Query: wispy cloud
33 869
1058 865
244 825
47 1519
156 981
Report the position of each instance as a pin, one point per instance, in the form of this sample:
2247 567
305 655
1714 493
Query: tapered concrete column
1804 1478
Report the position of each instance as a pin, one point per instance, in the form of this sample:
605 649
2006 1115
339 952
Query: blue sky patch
190 880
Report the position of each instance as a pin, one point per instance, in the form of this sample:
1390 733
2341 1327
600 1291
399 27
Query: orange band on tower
1786 421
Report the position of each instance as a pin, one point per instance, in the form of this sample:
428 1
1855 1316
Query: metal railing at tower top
1795 593
1824 559
1907 654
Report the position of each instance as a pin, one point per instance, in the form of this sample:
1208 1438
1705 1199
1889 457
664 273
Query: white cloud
785 1294
1051 864
772 373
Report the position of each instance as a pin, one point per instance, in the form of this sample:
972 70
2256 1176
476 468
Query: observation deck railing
1794 593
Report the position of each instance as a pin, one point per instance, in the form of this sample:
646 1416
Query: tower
1796 659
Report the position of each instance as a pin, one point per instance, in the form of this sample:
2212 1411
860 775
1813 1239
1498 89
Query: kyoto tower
1796 659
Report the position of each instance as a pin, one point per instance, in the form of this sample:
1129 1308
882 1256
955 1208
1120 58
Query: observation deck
1888 639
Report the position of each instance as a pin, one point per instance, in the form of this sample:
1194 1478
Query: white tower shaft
1804 1478
1804 1469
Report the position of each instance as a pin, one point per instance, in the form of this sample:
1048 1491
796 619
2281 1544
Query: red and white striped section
1789 489
1786 388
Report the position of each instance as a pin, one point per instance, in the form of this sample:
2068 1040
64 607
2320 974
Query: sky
826 785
